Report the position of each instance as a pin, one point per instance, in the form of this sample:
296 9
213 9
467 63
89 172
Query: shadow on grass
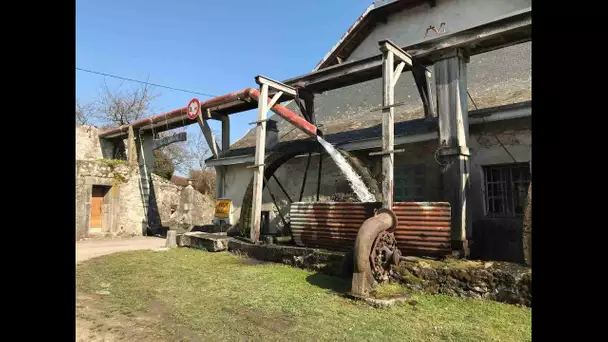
336 284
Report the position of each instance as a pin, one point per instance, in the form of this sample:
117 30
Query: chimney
272 133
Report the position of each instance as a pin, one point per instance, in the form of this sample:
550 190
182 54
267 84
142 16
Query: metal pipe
363 280
179 114
242 95
290 116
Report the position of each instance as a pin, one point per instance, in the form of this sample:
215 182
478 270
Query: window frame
505 189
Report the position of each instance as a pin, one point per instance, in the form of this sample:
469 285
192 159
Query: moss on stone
388 290
111 162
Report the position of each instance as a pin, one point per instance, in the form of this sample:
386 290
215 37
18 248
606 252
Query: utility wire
144 82
485 124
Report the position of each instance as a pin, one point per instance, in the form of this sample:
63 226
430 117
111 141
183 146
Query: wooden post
388 130
260 145
452 110
225 133
390 75
258 171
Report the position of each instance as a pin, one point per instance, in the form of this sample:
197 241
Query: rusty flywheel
384 254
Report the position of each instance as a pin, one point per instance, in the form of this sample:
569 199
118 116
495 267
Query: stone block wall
125 211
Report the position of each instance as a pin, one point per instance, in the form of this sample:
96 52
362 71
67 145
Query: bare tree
121 107
199 151
84 113
179 153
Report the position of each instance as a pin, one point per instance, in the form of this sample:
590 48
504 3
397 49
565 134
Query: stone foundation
324 261
498 281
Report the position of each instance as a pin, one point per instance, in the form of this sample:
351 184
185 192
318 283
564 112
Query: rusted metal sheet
330 225
423 228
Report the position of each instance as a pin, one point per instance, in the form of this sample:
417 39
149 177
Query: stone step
212 242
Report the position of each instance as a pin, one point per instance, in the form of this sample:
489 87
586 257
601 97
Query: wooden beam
452 111
397 73
209 137
258 172
274 99
386 45
388 128
287 89
225 133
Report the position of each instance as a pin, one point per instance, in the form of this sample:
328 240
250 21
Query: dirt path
88 249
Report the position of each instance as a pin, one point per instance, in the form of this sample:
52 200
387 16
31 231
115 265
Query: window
409 182
506 188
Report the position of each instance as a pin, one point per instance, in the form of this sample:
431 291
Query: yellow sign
222 208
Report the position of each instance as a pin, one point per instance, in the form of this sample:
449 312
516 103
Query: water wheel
281 155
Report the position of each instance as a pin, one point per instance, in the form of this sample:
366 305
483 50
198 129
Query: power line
144 82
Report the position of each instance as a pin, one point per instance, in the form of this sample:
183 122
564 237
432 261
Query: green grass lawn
219 296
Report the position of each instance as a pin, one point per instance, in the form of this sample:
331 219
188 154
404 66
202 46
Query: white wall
408 27
485 150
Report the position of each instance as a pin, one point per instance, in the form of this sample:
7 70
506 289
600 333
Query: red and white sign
194 108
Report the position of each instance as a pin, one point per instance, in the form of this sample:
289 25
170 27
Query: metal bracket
381 153
254 166
257 122
388 107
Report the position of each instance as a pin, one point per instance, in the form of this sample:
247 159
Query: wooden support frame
260 145
390 75
209 137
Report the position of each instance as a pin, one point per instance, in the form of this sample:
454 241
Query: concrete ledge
211 242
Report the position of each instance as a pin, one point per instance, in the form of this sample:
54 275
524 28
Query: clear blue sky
212 47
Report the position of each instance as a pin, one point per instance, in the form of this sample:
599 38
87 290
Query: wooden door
97 206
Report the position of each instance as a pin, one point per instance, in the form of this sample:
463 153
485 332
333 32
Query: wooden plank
209 137
258 172
388 130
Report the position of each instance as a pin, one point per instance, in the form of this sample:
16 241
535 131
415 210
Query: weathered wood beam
390 53
209 137
452 111
258 172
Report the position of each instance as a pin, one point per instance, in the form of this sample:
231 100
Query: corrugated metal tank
423 227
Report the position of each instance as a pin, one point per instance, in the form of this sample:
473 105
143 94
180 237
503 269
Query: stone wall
170 206
124 212
90 147
499 281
